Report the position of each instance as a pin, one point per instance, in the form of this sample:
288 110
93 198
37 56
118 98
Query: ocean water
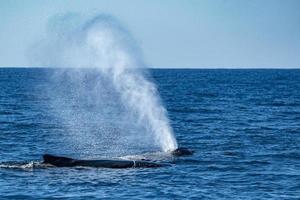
244 126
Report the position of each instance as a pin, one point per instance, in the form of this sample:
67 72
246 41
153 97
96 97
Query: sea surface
244 126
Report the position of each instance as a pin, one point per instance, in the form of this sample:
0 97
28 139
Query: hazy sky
183 33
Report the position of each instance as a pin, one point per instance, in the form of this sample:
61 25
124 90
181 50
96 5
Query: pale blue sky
183 33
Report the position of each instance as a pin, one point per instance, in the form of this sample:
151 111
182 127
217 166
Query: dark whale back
59 161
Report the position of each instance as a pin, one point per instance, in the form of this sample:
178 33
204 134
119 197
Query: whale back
59 161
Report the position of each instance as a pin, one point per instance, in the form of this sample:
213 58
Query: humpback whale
60 161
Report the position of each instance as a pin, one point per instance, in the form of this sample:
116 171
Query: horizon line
162 67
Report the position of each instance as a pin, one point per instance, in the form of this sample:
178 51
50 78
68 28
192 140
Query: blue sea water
244 126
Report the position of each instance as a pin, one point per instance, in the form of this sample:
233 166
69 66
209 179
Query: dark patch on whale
182 151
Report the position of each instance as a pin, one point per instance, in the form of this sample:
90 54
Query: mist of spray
103 73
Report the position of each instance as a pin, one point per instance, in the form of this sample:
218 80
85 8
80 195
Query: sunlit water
243 124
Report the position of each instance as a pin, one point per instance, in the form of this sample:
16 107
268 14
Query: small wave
22 165
5 112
